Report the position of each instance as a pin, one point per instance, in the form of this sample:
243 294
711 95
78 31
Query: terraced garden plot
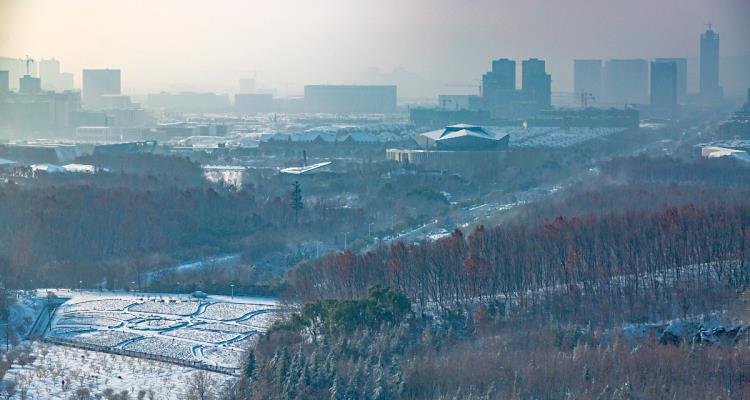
98 305
85 320
218 326
178 327
166 347
183 308
63 331
100 338
223 357
261 321
154 324
230 311
202 335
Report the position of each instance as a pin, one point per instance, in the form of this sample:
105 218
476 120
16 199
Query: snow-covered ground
23 313
212 332
555 136
96 371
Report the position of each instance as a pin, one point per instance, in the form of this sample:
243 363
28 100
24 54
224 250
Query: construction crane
28 61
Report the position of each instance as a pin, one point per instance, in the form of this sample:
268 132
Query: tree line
613 257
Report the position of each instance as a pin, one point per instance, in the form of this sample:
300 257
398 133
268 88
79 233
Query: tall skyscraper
17 68
499 85
66 82
681 64
97 83
588 77
4 81
29 85
664 85
536 84
709 74
49 72
626 82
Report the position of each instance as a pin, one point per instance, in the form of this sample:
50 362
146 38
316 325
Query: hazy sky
208 45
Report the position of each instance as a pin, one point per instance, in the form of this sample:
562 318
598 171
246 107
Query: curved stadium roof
463 137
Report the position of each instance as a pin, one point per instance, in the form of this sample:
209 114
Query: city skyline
207 48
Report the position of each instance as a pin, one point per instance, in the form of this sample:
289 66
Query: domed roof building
462 137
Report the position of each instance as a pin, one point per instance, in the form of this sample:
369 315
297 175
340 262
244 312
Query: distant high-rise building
4 81
625 82
97 83
499 85
66 82
16 69
49 73
536 84
709 74
681 64
247 86
664 85
588 77
29 85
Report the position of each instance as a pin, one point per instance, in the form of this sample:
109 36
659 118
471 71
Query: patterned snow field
202 335
97 371
166 307
555 137
221 327
104 338
229 311
214 331
261 321
169 347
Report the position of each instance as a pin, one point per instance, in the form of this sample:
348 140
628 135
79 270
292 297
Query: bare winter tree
200 386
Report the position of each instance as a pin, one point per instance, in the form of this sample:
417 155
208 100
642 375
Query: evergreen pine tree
296 200
336 391
250 364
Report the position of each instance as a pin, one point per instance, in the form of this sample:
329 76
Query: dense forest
575 296
151 212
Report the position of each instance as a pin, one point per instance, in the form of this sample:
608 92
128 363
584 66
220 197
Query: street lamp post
232 285
80 286
345 237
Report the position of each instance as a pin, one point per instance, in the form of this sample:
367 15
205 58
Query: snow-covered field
23 314
555 137
97 372
213 332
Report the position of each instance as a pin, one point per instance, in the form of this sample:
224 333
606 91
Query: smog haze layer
438 45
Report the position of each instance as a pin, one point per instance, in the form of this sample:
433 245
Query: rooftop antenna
710 26
28 61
